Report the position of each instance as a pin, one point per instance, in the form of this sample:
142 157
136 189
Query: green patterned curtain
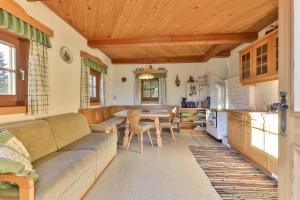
102 89
162 91
85 85
38 84
23 29
95 66
137 94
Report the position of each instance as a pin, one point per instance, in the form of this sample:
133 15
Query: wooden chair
138 128
168 123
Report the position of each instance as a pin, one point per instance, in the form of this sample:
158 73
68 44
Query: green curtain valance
91 64
23 29
162 75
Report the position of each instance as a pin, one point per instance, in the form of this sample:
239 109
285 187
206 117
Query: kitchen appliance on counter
216 124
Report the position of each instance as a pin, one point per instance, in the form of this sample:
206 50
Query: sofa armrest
103 127
25 183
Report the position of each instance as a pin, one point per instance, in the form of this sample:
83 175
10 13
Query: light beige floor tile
169 173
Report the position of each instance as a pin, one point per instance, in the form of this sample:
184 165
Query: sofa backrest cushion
68 128
35 135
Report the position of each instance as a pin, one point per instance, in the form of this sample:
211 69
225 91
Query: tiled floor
168 173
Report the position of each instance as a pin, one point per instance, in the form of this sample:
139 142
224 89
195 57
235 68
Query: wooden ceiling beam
205 39
179 59
223 54
214 51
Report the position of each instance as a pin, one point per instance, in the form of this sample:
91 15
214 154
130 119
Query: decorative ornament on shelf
177 81
191 79
123 79
66 54
146 76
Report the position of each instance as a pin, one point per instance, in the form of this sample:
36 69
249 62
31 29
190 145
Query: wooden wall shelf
188 122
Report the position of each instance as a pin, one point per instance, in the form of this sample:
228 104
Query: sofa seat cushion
58 172
68 128
93 141
104 144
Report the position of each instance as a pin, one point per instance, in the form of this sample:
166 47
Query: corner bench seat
70 159
116 121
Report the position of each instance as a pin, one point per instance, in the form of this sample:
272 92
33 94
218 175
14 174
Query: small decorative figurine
177 81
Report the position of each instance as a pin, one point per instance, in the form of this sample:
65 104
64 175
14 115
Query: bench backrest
99 114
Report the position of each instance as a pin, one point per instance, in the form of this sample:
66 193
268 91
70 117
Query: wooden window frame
148 99
22 58
96 100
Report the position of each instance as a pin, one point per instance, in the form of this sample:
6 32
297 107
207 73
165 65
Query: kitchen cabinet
253 138
237 135
259 61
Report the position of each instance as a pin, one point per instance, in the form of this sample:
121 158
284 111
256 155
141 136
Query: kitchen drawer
271 123
237 135
240 116
256 147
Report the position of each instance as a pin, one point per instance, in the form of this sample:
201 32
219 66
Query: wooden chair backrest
133 117
173 114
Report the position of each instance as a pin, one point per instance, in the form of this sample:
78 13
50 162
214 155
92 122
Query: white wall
123 93
64 78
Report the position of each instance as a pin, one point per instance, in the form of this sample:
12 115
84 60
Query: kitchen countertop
247 111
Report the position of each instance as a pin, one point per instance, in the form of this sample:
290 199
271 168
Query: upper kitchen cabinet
259 61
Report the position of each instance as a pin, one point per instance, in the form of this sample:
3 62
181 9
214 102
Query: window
150 91
7 69
94 90
13 65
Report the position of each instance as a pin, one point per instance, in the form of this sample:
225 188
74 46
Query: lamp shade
146 76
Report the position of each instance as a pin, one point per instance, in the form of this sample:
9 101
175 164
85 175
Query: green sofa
66 155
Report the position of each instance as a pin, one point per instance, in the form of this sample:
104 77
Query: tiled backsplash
266 93
250 97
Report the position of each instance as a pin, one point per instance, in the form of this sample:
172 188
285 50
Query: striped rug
232 176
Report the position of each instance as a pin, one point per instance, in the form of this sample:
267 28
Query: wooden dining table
151 114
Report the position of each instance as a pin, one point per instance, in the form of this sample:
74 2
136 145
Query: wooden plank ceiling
170 30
